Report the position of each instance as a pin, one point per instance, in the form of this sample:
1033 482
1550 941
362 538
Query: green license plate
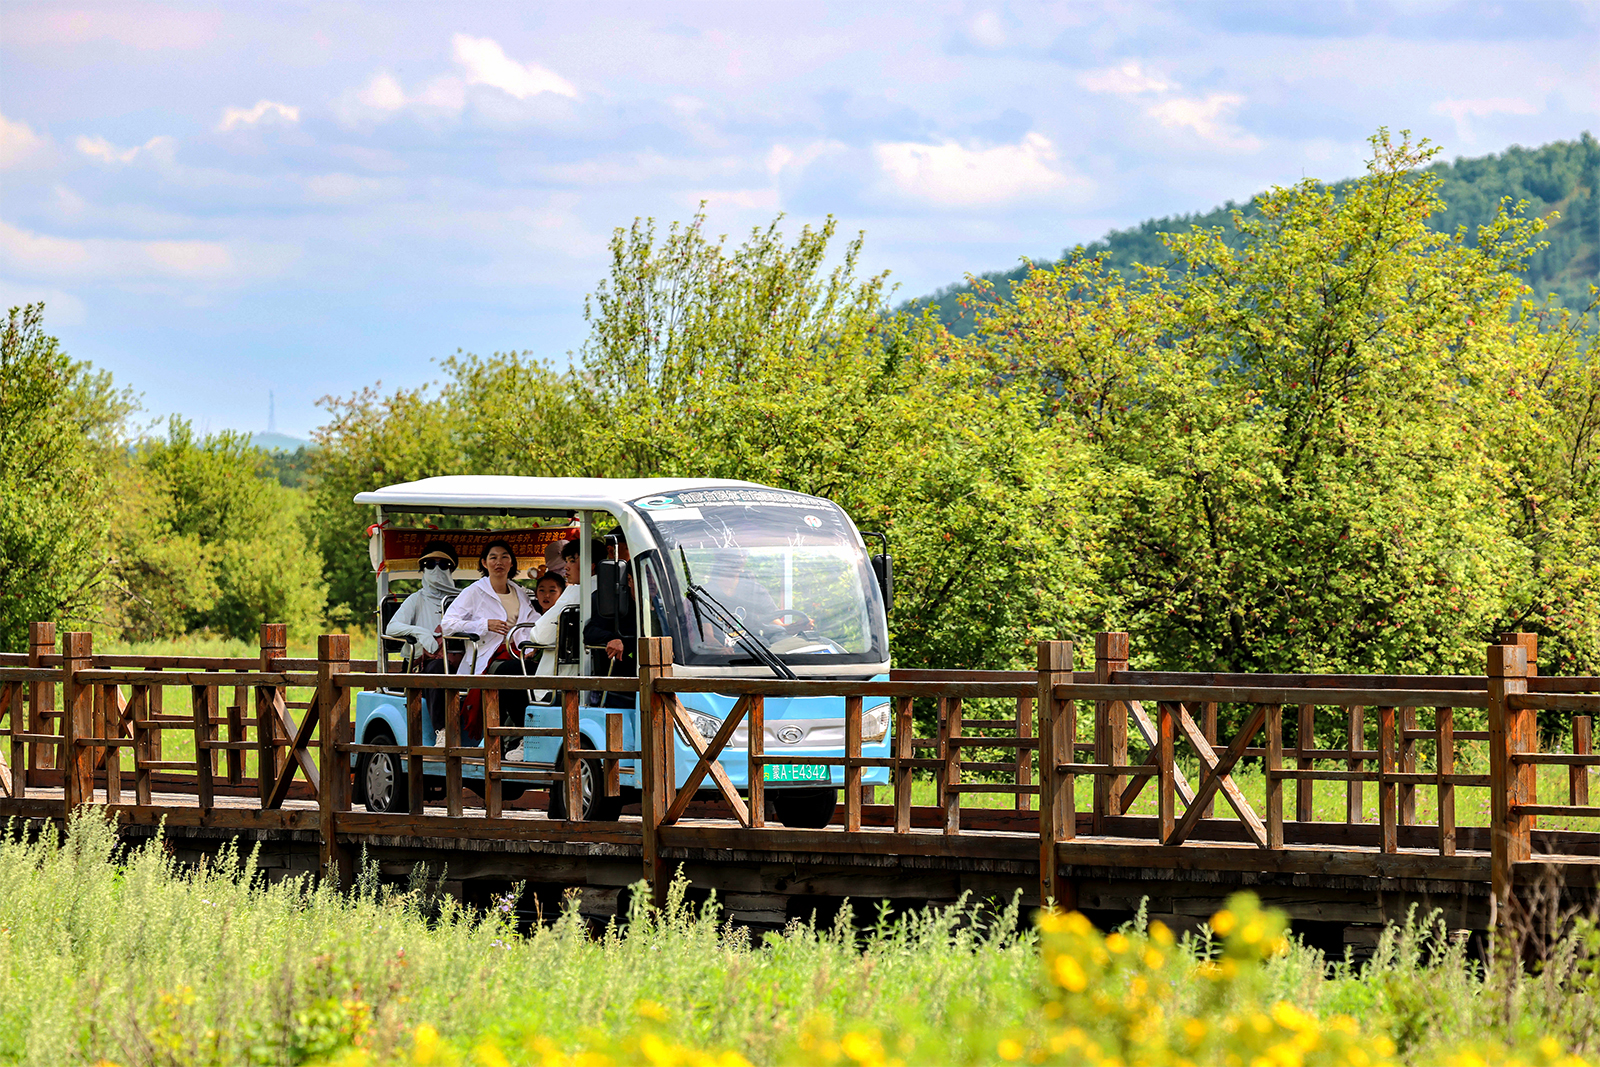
795 772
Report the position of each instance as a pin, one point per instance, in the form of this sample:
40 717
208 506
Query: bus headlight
705 725
875 723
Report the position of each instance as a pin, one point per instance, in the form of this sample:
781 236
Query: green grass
134 961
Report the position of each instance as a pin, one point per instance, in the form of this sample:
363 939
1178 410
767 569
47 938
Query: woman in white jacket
490 608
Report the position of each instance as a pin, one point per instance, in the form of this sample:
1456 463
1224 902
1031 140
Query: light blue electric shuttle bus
747 580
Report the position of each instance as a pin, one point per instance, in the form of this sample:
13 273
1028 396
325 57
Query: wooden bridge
1116 785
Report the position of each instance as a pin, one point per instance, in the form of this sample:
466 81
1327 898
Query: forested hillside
1560 177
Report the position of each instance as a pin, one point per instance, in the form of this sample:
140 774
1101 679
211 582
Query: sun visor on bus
397 549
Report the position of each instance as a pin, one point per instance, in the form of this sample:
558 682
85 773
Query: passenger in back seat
548 629
418 620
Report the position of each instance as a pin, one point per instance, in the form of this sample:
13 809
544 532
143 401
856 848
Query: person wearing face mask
418 620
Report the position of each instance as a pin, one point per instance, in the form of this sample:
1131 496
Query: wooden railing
254 746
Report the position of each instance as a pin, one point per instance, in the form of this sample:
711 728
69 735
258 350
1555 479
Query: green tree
370 440
1300 430
55 419
221 503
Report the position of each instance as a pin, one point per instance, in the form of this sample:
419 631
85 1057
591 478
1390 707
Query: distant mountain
1563 176
278 442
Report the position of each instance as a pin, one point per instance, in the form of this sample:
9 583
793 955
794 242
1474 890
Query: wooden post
1408 765
1578 777
1388 834
111 755
77 721
41 698
1508 829
333 729
139 714
655 661
1208 711
905 727
200 697
273 642
1166 769
1357 738
1110 727
214 718
452 753
1528 724
235 756
415 784
1445 762
1057 818
491 754
1305 797
613 767
950 753
852 771
755 747
1024 757
1274 783
17 752
572 765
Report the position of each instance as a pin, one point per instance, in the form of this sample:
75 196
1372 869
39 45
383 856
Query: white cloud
61 308
482 61
486 63
781 157
952 175
1463 110
98 148
249 116
987 30
119 259
17 142
382 93
1207 119
1126 79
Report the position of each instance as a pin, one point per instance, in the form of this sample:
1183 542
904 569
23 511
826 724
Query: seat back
386 610
567 651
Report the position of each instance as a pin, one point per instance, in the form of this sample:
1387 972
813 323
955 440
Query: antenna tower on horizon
272 413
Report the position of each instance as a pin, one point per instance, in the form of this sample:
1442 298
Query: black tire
597 807
381 784
805 809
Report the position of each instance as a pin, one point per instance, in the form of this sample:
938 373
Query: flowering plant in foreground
1125 998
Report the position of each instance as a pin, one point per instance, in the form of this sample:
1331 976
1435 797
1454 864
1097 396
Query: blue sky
216 201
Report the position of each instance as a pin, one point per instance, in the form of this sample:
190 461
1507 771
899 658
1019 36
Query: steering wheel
791 622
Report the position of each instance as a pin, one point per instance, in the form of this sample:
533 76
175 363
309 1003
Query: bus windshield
787 567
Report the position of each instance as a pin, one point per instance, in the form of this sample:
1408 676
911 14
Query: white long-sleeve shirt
471 612
545 634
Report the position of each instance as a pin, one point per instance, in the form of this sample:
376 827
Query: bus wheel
804 809
597 807
381 778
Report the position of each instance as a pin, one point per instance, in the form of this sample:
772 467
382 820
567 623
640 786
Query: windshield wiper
721 616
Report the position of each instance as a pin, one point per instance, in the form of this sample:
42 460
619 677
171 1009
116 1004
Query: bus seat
567 636
386 610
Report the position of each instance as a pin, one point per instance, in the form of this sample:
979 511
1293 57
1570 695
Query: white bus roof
500 492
